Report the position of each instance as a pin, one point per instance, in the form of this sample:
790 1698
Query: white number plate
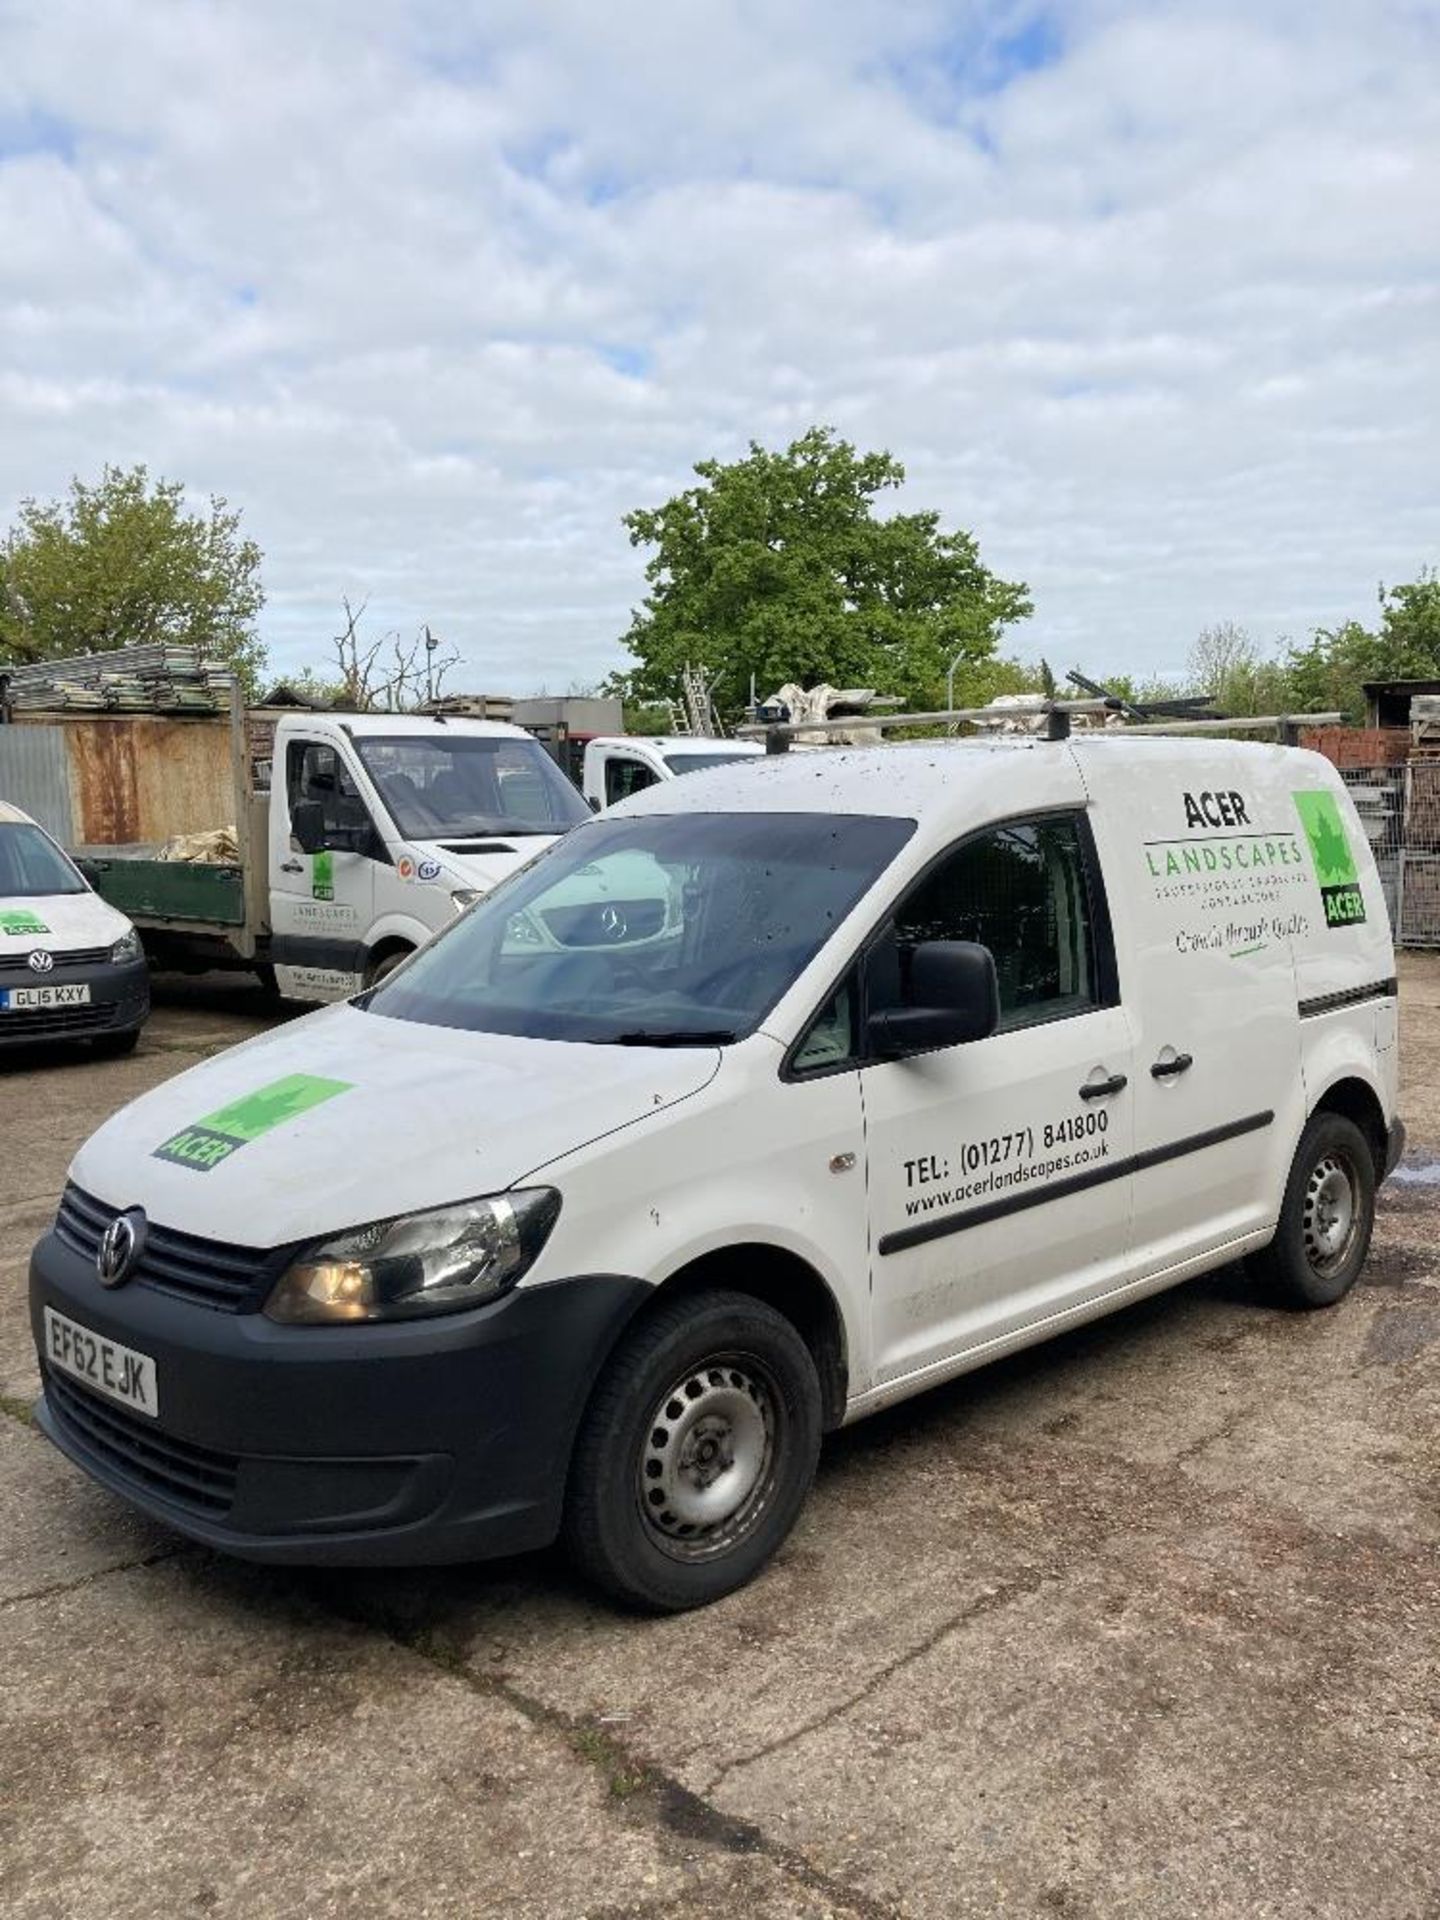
19 998
118 1372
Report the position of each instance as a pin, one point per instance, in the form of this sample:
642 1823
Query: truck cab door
321 904
627 773
1000 1180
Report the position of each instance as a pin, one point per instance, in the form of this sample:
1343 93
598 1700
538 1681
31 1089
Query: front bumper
395 1444
119 1002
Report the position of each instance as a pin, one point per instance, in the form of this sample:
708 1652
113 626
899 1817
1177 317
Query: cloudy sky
1147 296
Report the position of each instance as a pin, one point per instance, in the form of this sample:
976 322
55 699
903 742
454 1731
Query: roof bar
1287 725
777 735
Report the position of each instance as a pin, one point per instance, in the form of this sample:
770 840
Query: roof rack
1057 715
777 734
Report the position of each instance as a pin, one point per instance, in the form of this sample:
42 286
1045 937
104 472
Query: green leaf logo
1325 832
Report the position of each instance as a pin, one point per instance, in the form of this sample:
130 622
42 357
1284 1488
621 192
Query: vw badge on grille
40 961
119 1248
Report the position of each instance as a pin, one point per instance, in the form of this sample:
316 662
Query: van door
999 1171
320 904
1214 876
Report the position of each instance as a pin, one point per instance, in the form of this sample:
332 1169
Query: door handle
1097 1089
1178 1063
292 866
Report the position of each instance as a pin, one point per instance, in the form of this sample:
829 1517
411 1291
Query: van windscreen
676 929
31 865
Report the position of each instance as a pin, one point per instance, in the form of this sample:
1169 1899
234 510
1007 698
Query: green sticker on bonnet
215 1137
21 920
1333 859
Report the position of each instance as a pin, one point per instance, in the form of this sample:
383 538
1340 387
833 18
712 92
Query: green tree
1332 669
121 563
778 568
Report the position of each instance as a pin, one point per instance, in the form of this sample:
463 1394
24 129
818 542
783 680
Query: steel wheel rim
707 1460
1331 1217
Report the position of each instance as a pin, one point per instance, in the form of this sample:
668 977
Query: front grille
135 1448
48 1023
208 1272
19 963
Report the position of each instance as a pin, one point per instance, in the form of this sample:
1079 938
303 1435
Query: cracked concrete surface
1140 1623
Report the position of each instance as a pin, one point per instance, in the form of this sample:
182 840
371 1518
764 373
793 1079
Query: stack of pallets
155 678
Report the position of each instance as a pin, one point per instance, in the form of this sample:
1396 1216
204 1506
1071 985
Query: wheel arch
1354 1099
381 950
789 1284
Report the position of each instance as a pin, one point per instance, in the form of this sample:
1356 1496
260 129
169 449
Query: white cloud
1146 296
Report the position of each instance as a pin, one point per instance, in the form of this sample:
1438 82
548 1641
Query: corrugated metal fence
33 776
1399 807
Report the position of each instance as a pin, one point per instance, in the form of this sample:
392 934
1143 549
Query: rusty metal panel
135 779
33 776
102 782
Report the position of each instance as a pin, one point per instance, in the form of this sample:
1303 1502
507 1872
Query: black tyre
111 1046
1327 1217
386 965
695 1454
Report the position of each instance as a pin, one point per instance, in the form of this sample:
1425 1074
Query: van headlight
435 1262
125 949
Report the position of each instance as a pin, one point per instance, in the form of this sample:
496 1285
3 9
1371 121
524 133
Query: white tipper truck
345 839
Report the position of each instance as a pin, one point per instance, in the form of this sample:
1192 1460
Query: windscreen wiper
675 1037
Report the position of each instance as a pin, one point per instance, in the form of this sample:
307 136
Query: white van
71 967
774 1096
618 766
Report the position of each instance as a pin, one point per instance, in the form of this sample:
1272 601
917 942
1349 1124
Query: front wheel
1327 1217
386 965
695 1454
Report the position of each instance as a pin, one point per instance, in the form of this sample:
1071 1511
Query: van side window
831 1039
1021 891
314 771
624 777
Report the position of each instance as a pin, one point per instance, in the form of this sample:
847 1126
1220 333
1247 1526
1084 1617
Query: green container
185 890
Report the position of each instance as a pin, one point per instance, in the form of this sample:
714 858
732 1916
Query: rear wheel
695 1454
1327 1217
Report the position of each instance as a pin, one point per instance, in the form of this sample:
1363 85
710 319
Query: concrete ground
1141 1623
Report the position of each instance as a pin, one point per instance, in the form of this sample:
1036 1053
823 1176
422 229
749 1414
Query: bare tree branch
413 674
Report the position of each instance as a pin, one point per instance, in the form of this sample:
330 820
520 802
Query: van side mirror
955 998
307 823
594 803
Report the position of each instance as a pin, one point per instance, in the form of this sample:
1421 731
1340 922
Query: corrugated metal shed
33 776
